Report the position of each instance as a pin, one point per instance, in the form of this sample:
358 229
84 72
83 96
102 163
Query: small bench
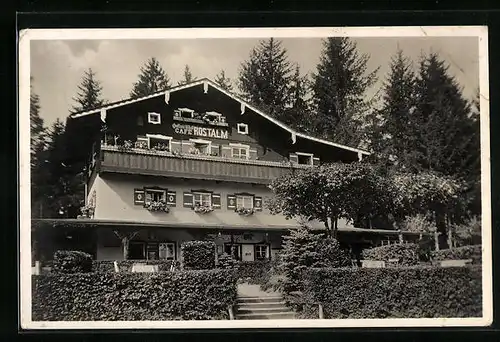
455 263
143 268
372 264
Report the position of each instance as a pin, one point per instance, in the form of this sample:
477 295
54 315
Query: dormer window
242 128
240 151
186 113
154 118
305 158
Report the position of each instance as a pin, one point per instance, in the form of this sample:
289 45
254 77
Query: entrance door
233 250
247 252
136 251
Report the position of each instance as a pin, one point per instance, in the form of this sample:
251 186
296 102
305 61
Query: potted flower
161 147
244 211
158 206
87 211
141 144
202 209
126 146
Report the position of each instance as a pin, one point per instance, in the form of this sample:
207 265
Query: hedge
71 262
459 253
411 292
126 265
406 253
254 272
198 255
183 295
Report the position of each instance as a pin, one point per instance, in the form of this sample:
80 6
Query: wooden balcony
166 164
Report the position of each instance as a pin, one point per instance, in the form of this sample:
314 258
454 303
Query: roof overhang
206 82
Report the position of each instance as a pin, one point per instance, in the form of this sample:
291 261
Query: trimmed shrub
254 272
72 262
412 292
183 295
407 254
460 253
126 265
225 261
198 255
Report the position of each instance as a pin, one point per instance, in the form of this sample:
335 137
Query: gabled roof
233 96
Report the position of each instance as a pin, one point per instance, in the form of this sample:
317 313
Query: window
202 199
155 195
305 158
233 250
154 118
159 142
240 151
166 251
244 201
186 113
242 128
261 252
202 146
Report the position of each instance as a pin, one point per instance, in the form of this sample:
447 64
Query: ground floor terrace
128 240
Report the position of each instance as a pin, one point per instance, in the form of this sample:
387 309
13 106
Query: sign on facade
197 131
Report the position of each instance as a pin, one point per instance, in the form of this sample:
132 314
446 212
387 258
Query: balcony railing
163 163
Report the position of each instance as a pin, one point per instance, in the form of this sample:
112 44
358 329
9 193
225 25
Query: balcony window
155 195
159 142
240 151
154 118
202 199
201 146
186 113
244 202
305 158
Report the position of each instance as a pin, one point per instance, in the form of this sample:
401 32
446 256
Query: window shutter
231 201
294 158
216 201
257 203
315 161
188 200
138 196
171 198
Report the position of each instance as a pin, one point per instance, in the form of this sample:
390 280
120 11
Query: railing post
231 313
320 310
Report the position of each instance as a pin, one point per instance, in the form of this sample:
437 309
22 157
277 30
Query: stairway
268 307
253 303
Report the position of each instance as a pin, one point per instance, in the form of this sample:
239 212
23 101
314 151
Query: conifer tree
264 79
188 76
339 89
223 81
89 95
152 79
297 114
37 129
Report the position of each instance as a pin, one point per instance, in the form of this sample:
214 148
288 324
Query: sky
57 66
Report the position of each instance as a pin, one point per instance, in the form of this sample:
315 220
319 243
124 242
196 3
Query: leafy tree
393 136
152 79
89 94
303 249
188 76
264 79
223 81
339 91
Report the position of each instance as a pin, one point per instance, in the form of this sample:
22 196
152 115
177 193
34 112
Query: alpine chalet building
192 163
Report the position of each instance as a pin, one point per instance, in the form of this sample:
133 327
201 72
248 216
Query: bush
459 253
412 292
407 254
126 265
183 295
225 261
72 262
198 255
254 272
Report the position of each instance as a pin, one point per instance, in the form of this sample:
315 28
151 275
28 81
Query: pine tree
297 114
89 93
152 79
264 79
37 129
188 76
392 136
223 81
339 87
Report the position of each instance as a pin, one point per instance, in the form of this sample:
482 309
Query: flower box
203 209
244 211
157 206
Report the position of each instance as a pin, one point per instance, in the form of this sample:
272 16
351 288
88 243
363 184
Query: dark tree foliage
223 81
89 95
339 90
152 79
298 114
188 76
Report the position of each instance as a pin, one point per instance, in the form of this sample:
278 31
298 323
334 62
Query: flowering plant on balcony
244 211
87 211
202 209
210 119
161 147
157 206
141 144
126 146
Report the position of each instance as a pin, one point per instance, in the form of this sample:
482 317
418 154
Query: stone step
265 310
274 315
269 299
262 305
